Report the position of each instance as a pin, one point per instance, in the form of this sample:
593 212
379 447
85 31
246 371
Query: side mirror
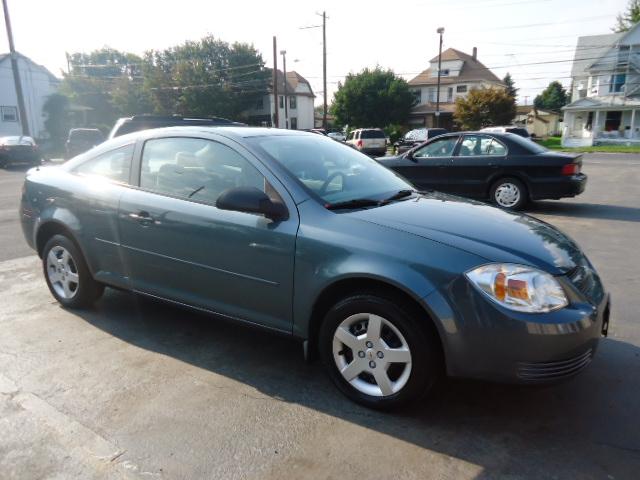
251 200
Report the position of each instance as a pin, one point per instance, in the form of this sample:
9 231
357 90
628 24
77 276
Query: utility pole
275 85
440 31
284 74
324 65
16 72
324 69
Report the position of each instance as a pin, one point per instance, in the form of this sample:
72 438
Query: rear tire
67 274
377 353
509 193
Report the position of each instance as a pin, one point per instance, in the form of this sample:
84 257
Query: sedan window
114 165
481 145
442 147
197 169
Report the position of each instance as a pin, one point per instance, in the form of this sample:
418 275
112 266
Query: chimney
475 53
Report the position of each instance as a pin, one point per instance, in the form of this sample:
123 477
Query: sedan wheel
509 193
67 274
62 272
372 355
377 353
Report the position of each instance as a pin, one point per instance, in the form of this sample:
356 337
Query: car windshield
332 171
526 143
372 134
86 135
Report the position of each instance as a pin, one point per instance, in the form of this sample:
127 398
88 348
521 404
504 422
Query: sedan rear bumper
560 187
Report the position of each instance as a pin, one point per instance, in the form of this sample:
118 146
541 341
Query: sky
534 40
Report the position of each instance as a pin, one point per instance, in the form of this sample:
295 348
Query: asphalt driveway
137 389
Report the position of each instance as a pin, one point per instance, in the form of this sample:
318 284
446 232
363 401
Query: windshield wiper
396 196
355 203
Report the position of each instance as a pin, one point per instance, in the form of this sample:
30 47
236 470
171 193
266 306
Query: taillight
571 169
359 144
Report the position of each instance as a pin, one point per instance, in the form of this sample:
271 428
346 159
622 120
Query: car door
475 162
427 166
99 183
180 247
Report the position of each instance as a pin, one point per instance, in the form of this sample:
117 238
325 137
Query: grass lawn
553 143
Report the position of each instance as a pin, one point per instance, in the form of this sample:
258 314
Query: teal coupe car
294 232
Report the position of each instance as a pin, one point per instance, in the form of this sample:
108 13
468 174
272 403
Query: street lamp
284 68
440 31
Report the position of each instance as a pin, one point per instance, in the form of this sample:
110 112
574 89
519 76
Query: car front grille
554 370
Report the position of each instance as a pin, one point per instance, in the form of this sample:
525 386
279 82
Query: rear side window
195 169
372 134
114 165
481 145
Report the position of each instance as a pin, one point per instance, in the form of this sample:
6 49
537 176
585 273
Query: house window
281 101
617 83
612 121
450 94
417 94
294 121
444 72
293 103
461 89
432 94
9 114
260 103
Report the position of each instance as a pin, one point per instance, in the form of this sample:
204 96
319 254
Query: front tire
377 353
67 274
509 193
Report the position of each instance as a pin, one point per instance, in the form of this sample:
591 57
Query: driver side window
442 147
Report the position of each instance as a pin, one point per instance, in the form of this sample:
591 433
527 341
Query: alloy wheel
62 272
372 354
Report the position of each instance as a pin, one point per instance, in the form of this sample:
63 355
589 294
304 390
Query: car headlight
518 287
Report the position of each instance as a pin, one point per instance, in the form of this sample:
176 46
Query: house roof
590 49
613 102
428 107
293 80
7 56
472 70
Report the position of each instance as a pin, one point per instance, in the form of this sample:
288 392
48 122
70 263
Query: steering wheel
328 181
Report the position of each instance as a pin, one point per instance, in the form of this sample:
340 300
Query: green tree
56 120
372 98
628 18
554 97
109 82
484 107
511 86
208 77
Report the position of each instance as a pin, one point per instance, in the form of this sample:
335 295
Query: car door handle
142 216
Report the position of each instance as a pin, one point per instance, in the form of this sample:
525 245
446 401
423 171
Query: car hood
478 228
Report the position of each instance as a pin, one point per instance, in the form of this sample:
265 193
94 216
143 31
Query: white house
605 92
299 110
37 84
460 73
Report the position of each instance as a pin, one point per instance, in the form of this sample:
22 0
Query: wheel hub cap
372 354
62 272
507 195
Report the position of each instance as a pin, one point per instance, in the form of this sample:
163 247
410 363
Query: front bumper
486 341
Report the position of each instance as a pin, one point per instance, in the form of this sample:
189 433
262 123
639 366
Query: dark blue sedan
299 234
504 168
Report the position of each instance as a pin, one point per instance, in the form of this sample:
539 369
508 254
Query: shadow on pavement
584 428
584 210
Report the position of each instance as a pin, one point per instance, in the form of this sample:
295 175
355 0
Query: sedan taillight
571 169
359 144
